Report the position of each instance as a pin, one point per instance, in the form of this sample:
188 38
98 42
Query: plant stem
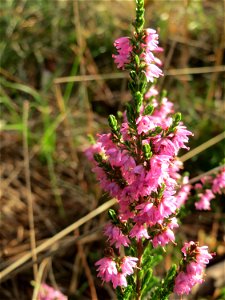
138 283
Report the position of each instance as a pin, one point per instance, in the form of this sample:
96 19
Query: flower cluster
208 188
116 270
218 183
49 293
136 163
125 48
184 192
204 191
193 265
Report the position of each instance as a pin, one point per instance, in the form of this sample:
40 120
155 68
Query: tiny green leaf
149 110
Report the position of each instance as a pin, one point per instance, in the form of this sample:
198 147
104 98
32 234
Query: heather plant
137 164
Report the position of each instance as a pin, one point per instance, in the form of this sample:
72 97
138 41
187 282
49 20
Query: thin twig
203 147
28 186
87 272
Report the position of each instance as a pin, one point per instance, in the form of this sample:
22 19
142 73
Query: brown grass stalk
171 72
203 147
28 186
87 272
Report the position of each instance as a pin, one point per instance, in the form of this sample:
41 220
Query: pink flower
182 284
107 269
218 185
93 149
128 264
165 146
144 124
163 109
183 193
197 257
193 269
203 256
119 280
164 238
151 39
128 166
168 204
115 236
150 45
124 48
198 186
181 137
204 202
152 71
151 92
139 232
47 292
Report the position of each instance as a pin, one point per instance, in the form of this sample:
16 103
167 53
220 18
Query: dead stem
28 185
87 272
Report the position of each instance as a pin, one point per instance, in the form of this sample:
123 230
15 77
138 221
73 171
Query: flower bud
147 151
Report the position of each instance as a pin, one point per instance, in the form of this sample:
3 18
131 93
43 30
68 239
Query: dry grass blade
90 77
42 267
28 185
200 70
171 72
203 147
47 244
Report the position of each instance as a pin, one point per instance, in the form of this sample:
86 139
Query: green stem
138 282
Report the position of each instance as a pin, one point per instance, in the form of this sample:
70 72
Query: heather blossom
115 236
218 184
184 192
123 47
116 270
107 269
205 198
193 265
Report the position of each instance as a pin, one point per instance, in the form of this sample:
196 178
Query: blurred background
58 84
